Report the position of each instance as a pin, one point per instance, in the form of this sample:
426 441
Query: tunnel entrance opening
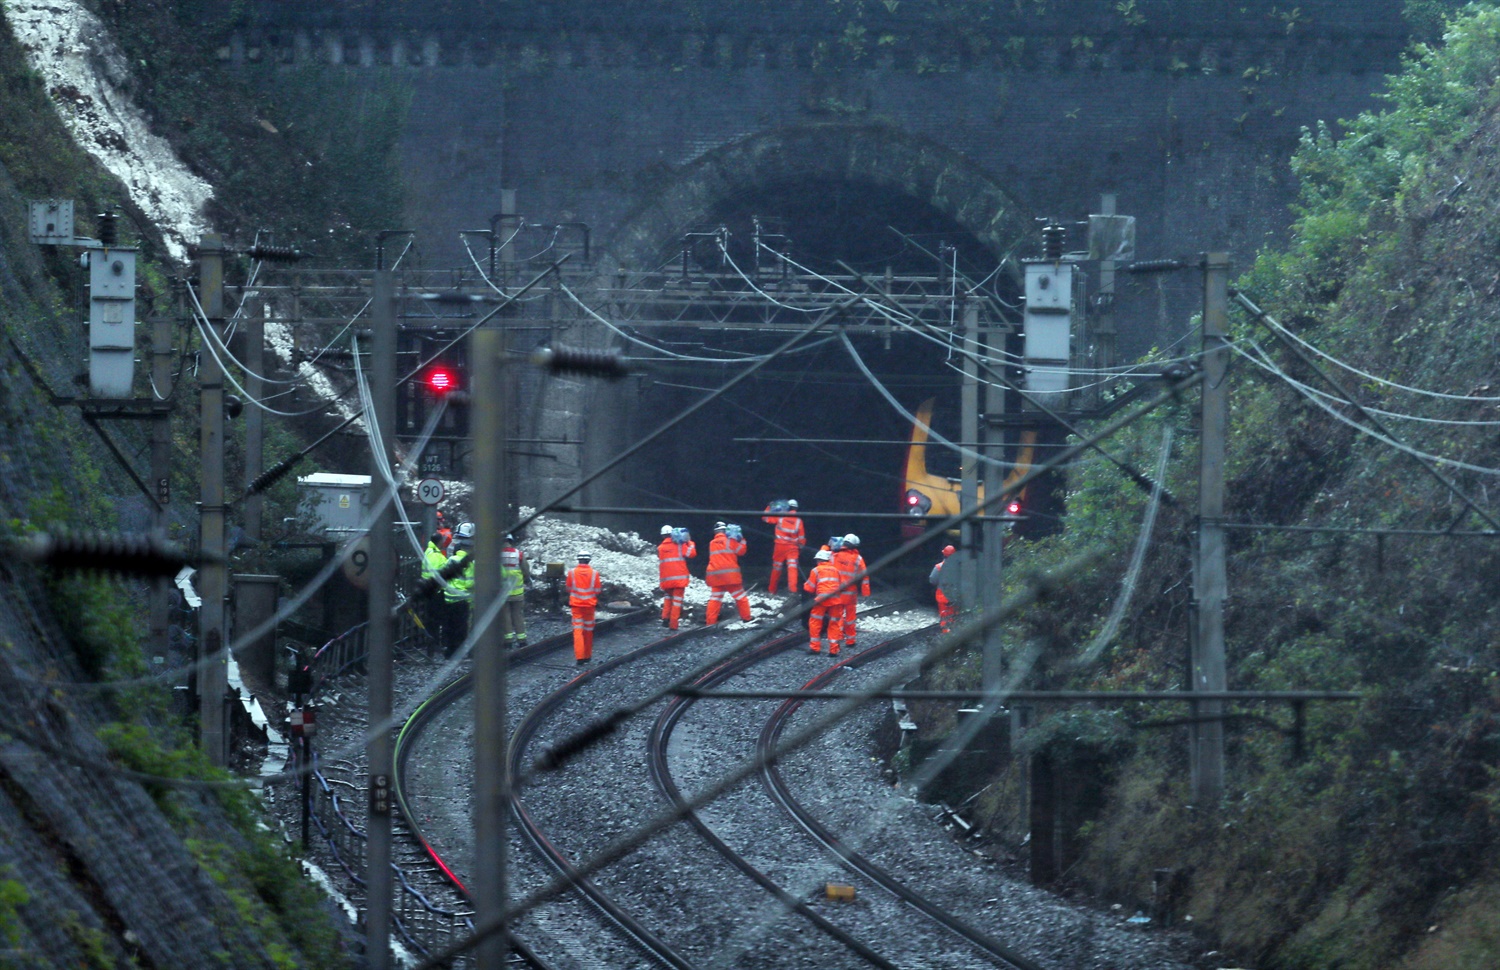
793 407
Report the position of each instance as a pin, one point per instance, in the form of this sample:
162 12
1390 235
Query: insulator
274 254
131 554
1054 240
273 475
1154 266
108 229
574 360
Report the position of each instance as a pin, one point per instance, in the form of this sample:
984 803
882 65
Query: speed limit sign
430 491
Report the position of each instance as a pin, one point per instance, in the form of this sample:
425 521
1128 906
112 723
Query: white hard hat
822 555
466 530
666 530
791 503
584 557
851 539
720 526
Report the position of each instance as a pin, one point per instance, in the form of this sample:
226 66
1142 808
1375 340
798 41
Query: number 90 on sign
430 491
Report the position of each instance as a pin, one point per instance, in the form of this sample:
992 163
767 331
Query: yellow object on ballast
840 893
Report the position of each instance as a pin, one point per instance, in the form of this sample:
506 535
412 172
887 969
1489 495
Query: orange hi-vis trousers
825 624
946 612
784 553
850 606
716 596
583 632
671 606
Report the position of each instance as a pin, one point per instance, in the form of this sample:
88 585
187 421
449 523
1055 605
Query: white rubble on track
901 621
87 78
621 557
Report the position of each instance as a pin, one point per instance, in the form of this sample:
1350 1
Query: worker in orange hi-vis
790 538
672 554
947 609
850 565
825 623
583 598
723 575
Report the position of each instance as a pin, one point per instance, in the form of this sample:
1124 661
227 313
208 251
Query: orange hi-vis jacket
789 530
849 564
584 585
672 557
724 561
823 582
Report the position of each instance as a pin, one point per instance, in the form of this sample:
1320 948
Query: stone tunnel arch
874 157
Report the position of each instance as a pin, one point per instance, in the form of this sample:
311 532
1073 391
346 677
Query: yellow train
933 496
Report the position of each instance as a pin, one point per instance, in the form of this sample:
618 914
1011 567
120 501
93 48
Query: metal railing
423 925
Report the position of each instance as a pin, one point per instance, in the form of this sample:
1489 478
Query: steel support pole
161 475
1210 579
991 590
491 731
213 668
968 490
255 418
382 574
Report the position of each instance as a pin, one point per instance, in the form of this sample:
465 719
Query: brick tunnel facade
643 119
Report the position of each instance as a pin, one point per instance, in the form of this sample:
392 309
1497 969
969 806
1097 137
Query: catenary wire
1038 587
1128 585
1370 432
1368 376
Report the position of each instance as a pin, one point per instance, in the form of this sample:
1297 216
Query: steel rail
650 944
422 717
781 793
661 736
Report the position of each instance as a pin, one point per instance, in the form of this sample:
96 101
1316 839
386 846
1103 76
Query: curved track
441 699
661 735
781 794
648 942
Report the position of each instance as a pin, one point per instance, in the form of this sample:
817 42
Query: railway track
781 793
998 953
427 858
647 942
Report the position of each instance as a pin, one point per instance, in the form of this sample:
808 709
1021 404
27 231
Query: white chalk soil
88 79
627 564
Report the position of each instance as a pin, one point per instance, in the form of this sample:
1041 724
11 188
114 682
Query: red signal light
1014 508
441 380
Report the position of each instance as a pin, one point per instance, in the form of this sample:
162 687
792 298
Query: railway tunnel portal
957 122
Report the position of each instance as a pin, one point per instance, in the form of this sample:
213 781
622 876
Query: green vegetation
256 870
324 178
13 895
1378 848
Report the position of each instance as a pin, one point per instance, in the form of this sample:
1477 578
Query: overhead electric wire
1125 467
692 409
756 287
670 353
891 400
1260 315
206 329
1276 326
1398 415
1138 558
357 313
1265 364
623 846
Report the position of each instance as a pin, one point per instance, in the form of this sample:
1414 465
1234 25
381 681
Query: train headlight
917 504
